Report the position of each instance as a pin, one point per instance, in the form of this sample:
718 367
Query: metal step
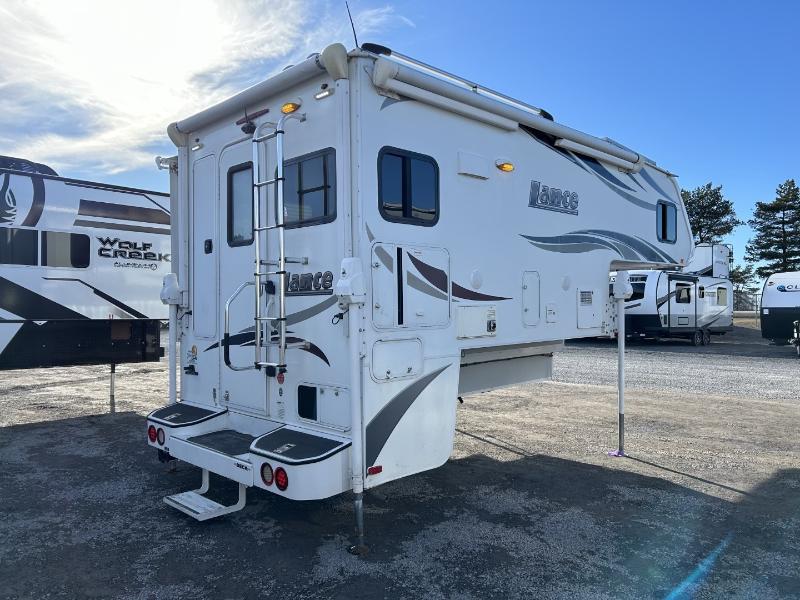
201 508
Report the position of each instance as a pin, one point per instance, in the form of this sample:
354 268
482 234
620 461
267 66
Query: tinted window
18 246
309 189
408 187
722 297
240 205
65 249
683 294
638 291
666 222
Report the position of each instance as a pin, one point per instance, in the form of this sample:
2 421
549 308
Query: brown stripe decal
120 226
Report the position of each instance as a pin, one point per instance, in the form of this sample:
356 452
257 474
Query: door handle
208 246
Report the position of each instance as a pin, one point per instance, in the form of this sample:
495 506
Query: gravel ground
530 504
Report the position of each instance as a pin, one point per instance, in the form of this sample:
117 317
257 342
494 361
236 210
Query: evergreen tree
776 243
742 277
711 215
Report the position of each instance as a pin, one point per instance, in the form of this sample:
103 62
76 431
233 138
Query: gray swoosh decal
598 168
387 102
369 233
383 424
419 285
580 242
385 258
649 179
633 305
663 299
645 249
714 317
436 277
311 311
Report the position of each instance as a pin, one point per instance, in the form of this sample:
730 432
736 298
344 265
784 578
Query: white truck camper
780 306
362 238
692 303
81 265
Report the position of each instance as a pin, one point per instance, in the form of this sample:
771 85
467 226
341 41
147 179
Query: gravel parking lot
530 504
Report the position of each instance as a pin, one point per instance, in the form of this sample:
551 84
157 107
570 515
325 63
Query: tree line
775 245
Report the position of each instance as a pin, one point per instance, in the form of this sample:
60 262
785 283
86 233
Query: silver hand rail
226 333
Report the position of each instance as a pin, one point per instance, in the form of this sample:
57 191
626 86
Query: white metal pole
173 352
622 290
357 423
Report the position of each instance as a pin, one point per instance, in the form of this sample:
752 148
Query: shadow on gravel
83 516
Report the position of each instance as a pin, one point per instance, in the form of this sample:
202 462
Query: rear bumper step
196 505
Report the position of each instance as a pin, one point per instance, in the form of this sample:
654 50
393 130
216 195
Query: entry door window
240 205
683 294
408 187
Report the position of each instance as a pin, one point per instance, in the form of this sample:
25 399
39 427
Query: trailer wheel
697 338
706 337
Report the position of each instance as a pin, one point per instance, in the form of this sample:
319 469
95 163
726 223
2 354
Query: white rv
413 236
780 306
693 303
81 265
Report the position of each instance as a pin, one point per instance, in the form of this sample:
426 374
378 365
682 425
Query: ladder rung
265 273
268 181
270 318
271 364
264 138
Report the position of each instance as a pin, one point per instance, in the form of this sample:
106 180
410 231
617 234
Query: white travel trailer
693 303
780 306
414 237
81 265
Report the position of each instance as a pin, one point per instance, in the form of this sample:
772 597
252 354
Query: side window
408 187
701 292
638 291
683 294
65 249
19 246
666 222
240 205
309 189
722 297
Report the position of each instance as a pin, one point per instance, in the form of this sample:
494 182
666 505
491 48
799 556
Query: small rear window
408 187
65 249
666 222
19 246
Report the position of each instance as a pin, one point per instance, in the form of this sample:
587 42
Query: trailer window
666 222
722 297
309 189
701 292
240 205
683 294
18 246
638 291
65 249
408 187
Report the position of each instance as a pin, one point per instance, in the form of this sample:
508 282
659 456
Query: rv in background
415 237
780 306
81 265
693 303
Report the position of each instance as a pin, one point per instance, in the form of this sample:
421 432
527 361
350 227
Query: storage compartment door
426 296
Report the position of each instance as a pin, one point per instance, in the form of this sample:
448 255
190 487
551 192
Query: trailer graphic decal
123 212
29 305
791 287
587 240
10 206
438 279
101 294
383 424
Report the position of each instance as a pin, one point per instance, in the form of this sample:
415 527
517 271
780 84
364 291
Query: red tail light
151 433
281 479
267 476
375 469
160 436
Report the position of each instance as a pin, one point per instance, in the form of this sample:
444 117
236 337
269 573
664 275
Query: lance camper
692 303
780 306
361 239
81 265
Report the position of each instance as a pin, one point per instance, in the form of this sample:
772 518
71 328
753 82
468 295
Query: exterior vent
586 298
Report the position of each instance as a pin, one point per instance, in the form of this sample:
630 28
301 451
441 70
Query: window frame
408 154
43 249
328 186
229 192
37 245
680 287
668 205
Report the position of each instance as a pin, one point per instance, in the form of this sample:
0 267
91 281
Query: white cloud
96 82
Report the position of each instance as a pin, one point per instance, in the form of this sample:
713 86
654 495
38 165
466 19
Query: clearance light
323 94
504 166
281 479
290 107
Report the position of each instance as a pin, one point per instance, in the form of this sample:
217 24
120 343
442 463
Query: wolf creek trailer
81 265
692 303
363 238
780 306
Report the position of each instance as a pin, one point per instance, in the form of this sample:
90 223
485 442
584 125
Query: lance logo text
550 198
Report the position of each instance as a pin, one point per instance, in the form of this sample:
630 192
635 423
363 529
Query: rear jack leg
359 548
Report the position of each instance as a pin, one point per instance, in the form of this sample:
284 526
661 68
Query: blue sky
707 89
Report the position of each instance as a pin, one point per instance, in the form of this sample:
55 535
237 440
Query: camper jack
446 238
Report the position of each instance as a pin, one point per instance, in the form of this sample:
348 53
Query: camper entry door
244 391
682 303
